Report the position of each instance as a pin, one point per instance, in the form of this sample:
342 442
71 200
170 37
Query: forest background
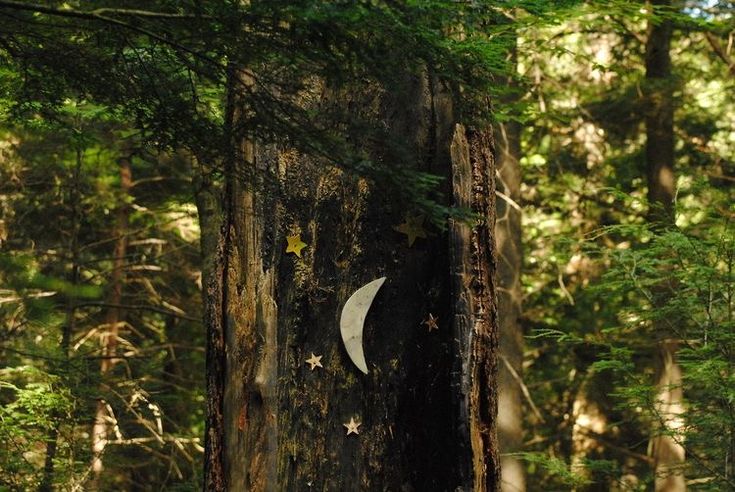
614 125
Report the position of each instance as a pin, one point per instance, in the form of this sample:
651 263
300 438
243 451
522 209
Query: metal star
295 245
413 227
352 426
431 322
315 361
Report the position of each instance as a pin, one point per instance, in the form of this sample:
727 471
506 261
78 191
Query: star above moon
315 361
352 426
413 228
295 245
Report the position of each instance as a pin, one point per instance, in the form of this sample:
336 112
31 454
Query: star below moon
315 361
352 426
413 227
431 322
295 245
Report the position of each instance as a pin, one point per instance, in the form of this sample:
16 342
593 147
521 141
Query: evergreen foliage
84 85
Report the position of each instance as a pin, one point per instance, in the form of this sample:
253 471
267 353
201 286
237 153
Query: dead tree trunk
427 405
666 449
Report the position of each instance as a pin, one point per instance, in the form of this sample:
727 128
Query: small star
352 426
431 322
315 361
295 245
412 228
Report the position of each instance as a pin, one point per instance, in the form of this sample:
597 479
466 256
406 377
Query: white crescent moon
353 319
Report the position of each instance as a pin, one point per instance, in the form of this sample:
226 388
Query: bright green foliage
59 193
35 403
584 189
688 276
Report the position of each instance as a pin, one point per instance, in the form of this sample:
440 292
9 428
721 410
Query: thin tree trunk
590 420
660 119
427 405
47 482
510 257
666 451
113 316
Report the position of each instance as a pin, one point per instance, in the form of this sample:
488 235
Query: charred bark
427 405
215 208
475 309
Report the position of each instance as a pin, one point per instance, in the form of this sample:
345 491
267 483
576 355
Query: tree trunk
74 198
666 449
590 421
109 337
510 258
660 119
427 405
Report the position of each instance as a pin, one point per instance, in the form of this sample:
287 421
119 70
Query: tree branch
720 51
97 14
141 307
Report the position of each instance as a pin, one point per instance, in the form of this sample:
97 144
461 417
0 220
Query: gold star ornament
413 228
352 426
431 322
315 361
295 245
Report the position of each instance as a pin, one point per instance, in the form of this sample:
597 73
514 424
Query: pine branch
97 14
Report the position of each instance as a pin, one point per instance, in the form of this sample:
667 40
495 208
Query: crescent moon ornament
353 319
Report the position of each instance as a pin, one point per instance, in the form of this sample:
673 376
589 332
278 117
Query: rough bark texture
510 257
666 451
427 404
215 205
209 210
475 310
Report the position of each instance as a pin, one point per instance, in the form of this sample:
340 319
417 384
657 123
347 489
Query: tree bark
666 449
660 119
510 259
215 207
109 337
427 405
590 421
